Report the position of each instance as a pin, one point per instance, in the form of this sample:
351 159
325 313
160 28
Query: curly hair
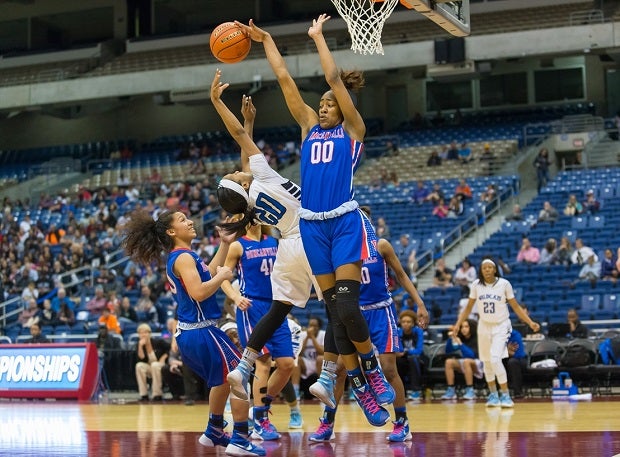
144 239
353 79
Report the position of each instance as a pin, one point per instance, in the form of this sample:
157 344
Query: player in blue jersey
379 311
205 348
336 235
253 255
492 294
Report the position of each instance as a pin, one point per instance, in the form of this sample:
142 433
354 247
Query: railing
586 17
4 315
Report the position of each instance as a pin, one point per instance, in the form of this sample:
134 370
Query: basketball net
365 20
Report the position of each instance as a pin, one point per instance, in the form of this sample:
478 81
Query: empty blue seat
596 221
590 302
611 302
579 222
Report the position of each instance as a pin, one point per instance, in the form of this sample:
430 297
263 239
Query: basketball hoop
365 20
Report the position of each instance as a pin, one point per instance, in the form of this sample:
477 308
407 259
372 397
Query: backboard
452 16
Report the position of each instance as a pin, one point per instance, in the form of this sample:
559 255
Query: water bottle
556 383
568 383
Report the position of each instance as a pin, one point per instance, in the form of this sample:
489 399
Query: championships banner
49 370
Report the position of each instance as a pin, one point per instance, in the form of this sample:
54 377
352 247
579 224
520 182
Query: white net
365 20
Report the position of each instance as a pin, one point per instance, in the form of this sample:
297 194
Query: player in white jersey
261 195
491 293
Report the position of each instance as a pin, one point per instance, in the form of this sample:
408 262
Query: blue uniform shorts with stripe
383 329
209 353
279 345
331 243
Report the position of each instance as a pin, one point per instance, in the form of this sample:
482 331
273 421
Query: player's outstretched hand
217 86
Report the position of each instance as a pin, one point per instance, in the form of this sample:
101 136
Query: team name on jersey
261 252
336 133
370 260
490 297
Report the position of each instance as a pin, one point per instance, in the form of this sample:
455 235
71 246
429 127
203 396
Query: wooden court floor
468 429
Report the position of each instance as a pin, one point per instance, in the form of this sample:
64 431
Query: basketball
229 44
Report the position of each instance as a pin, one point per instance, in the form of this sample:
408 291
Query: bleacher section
550 290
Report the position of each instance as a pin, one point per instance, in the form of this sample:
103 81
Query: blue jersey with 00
329 158
190 310
374 286
255 266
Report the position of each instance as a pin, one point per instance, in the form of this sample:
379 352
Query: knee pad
347 304
338 342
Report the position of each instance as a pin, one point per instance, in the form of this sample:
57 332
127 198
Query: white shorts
292 279
493 339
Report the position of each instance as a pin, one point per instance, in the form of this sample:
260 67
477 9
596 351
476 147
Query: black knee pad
347 305
336 338
268 324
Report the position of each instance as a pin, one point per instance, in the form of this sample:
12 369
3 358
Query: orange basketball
229 44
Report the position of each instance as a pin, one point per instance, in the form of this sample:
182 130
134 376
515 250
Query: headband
228 326
488 261
232 185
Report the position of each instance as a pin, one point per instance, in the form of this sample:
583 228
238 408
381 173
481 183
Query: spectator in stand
434 160
150 278
404 250
467 362
542 164
443 275
590 271
29 315
528 253
465 155
126 312
516 363
420 193
582 253
440 209
60 298
435 195
591 205
145 307
563 253
382 229
152 354
609 270
463 191
465 274
488 157
517 213
548 213
453 151
65 315
576 328
36 336
98 303
455 208
30 292
548 252
411 362
110 321
573 207
46 315
489 194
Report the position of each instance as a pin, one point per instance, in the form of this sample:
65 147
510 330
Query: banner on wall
68 370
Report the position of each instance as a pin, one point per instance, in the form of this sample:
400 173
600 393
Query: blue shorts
383 329
279 345
332 243
209 353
